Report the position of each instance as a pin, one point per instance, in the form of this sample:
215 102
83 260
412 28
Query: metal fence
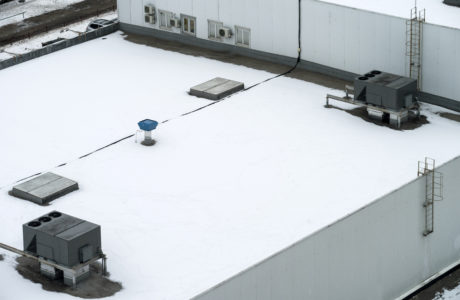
66 43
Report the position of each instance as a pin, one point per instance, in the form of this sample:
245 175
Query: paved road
54 19
449 281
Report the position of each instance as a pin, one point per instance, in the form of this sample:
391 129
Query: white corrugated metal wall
271 28
441 61
358 41
352 40
335 36
377 253
395 256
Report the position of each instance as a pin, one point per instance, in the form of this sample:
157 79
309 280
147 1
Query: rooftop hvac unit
174 22
66 241
150 19
149 9
63 239
225 32
385 90
452 2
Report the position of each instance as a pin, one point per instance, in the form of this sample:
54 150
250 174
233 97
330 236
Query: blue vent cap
147 125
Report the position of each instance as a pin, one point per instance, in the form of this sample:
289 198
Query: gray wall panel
441 61
336 37
124 11
271 28
357 41
189 40
378 252
352 40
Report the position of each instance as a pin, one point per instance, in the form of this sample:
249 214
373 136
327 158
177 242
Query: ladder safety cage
414 35
433 190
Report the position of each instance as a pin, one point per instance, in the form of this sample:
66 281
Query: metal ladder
414 34
433 191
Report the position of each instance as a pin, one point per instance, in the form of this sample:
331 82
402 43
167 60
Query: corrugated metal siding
352 40
377 253
271 28
336 36
124 11
441 61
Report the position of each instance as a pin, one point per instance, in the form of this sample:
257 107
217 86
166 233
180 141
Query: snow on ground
35 42
223 188
448 295
4 55
436 11
30 8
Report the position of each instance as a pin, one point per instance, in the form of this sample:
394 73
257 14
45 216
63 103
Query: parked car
99 23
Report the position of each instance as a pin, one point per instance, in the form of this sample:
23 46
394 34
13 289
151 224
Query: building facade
335 40
378 252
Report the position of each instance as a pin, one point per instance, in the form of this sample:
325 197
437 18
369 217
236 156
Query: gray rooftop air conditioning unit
225 32
174 22
59 237
385 90
63 240
149 9
150 19
150 14
452 2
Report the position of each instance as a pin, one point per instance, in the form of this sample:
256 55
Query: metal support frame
74 270
433 191
104 264
349 90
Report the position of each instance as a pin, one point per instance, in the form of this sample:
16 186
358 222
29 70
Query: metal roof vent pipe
147 126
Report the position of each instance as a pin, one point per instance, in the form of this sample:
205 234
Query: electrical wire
192 111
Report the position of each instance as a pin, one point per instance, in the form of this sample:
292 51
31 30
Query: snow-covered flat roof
436 11
223 188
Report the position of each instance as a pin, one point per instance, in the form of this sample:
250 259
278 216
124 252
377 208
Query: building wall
337 40
378 252
270 29
358 41
353 40
441 61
